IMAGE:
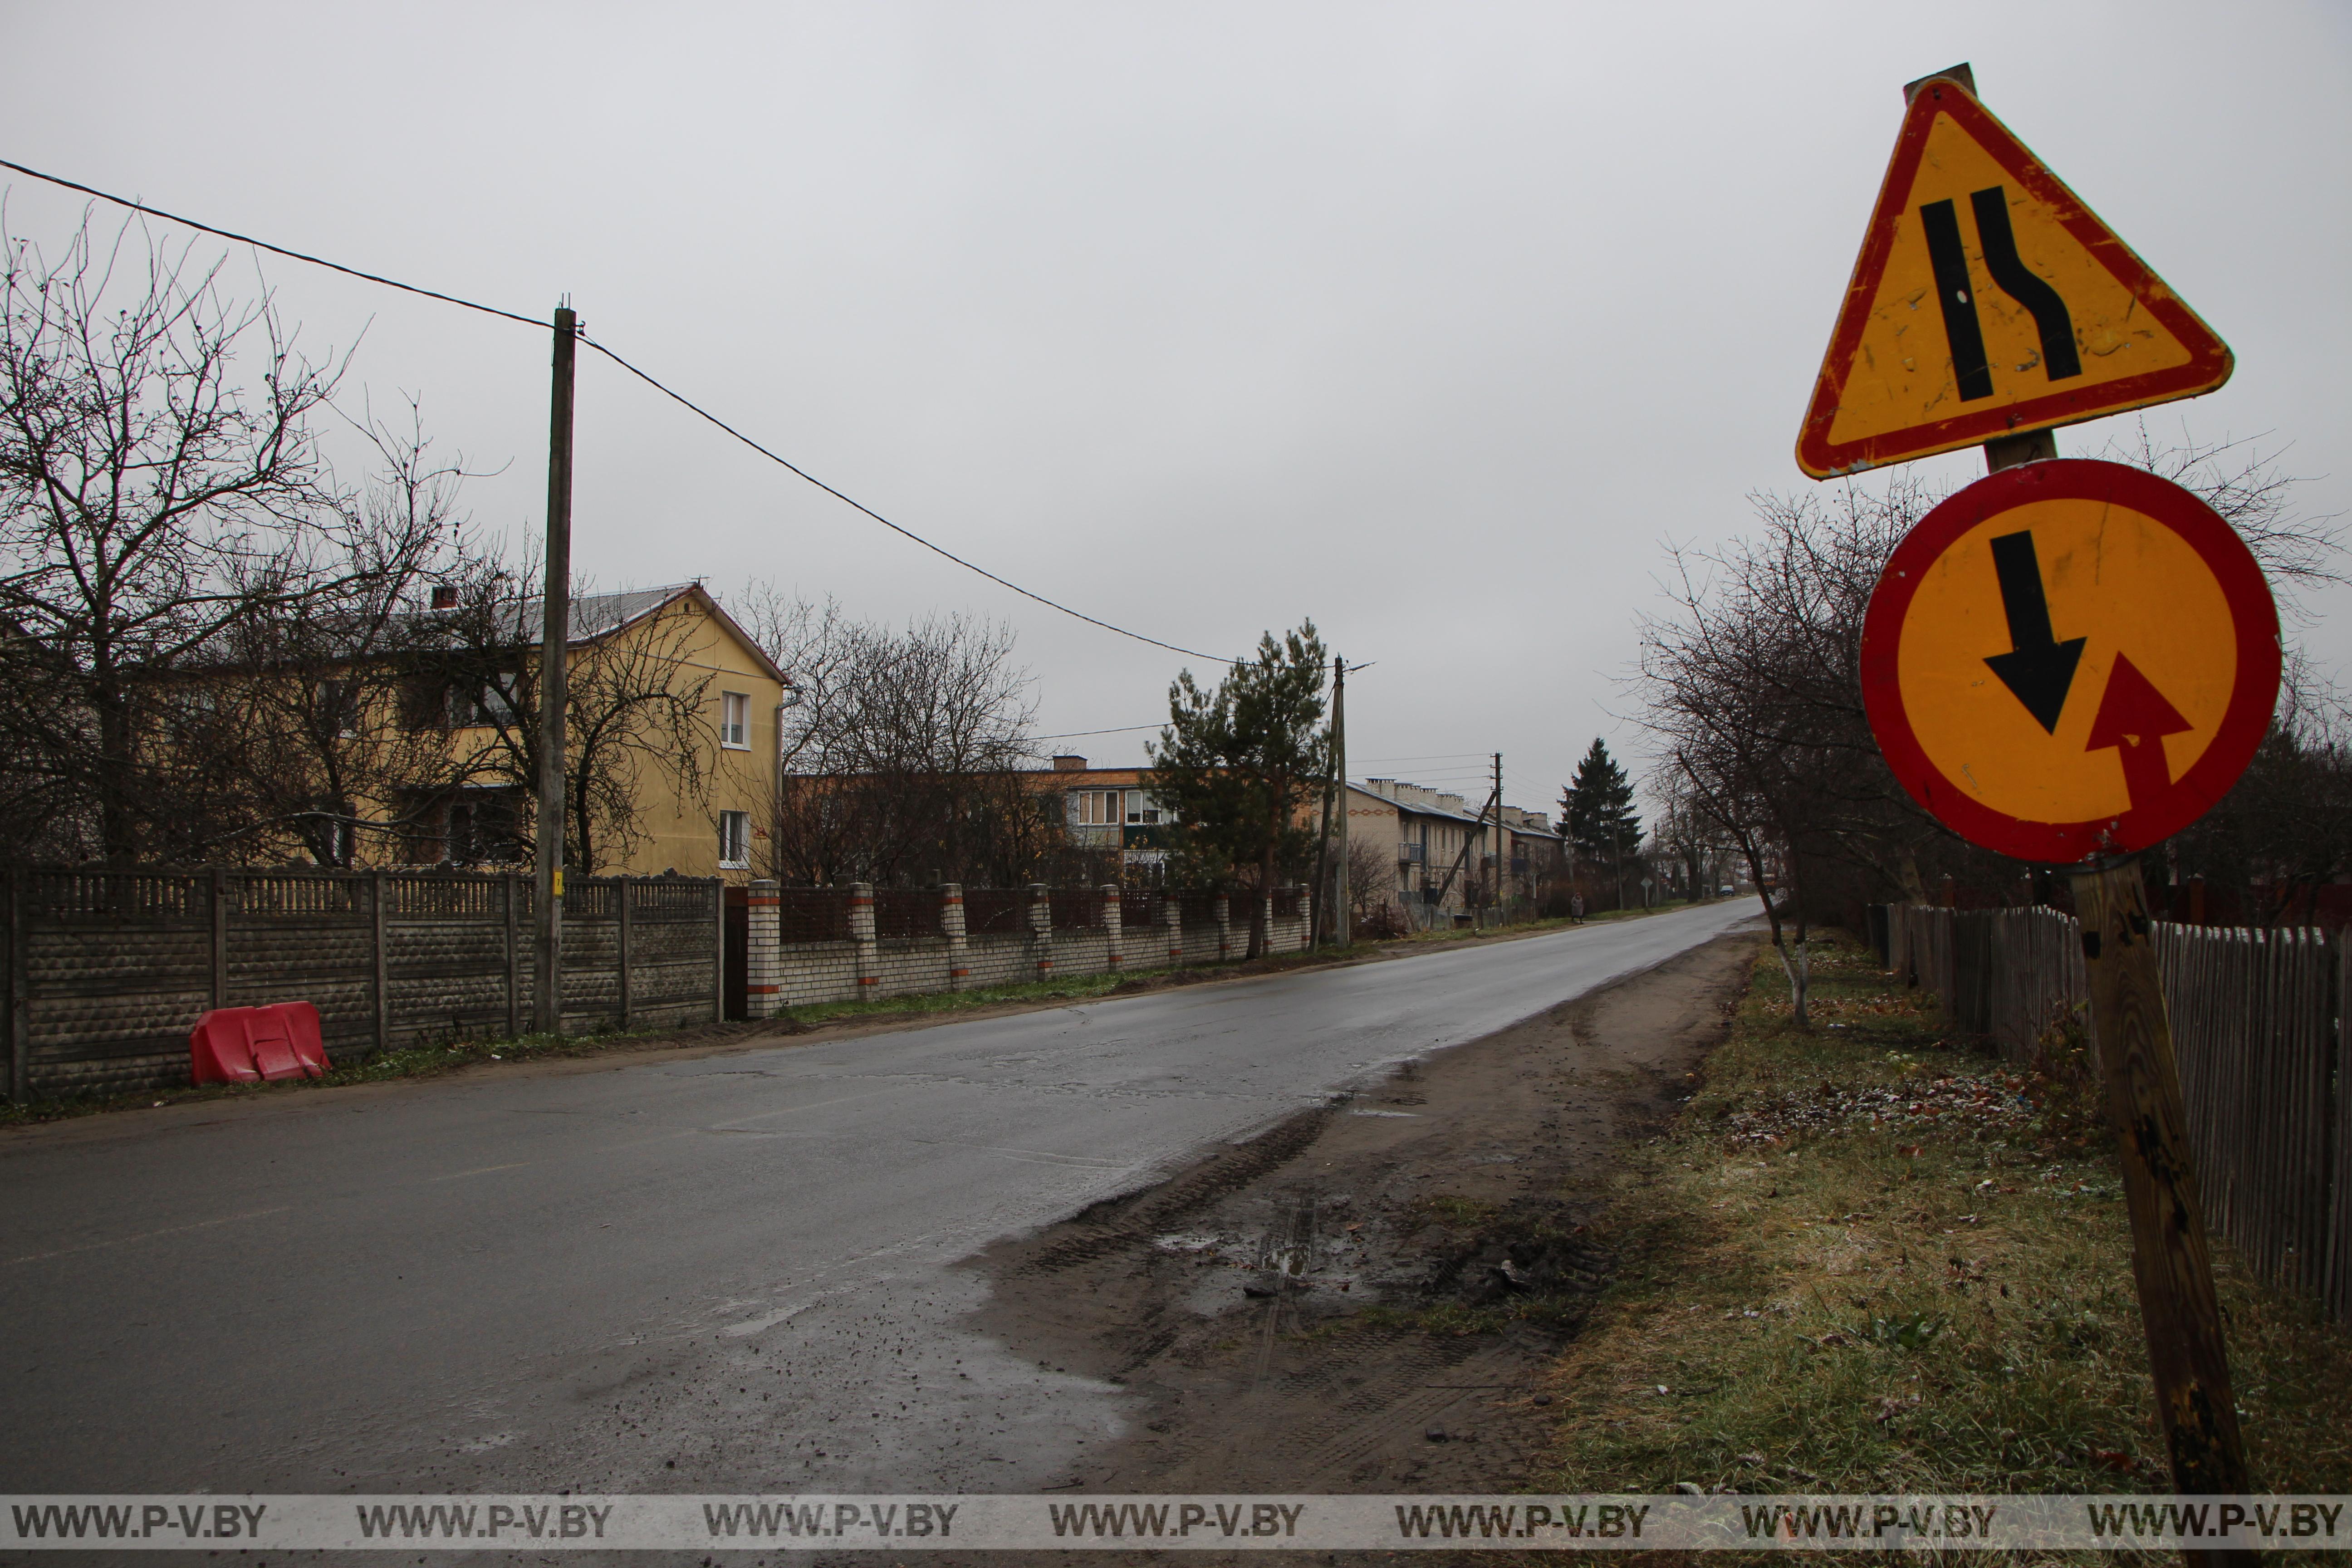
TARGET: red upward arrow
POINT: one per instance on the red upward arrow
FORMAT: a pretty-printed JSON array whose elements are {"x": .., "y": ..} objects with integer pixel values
[{"x": 2134, "y": 718}]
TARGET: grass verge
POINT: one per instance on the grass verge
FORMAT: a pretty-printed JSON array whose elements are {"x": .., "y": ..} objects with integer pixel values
[
  {"x": 1869, "y": 1258},
  {"x": 1527, "y": 928}
]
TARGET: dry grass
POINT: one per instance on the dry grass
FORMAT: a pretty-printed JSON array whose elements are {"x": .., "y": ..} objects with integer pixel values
[{"x": 1827, "y": 1289}]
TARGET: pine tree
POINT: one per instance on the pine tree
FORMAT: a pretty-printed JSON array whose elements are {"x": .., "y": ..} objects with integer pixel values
[
  {"x": 1236, "y": 765},
  {"x": 1599, "y": 808}
]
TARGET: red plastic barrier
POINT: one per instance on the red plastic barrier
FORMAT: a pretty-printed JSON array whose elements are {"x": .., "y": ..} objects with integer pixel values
[{"x": 247, "y": 1044}]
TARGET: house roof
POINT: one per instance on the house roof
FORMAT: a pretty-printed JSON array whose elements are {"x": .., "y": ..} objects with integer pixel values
[
  {"x": 594, "y": 616},
  {"x": 1466, "y": 816},
  {"x": 1092, "y": 778}
]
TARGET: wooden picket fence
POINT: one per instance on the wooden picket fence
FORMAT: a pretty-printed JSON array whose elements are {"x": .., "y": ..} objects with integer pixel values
[{"x": 2263, "y": 1031}]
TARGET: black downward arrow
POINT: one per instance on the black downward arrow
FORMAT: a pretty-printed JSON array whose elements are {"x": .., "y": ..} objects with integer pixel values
[{"x": 2038, "y": 669}]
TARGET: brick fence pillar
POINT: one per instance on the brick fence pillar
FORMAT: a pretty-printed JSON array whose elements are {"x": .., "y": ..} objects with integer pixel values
[
  {"x": 1040, "y": 901},
  {"x": 1225, "y": 927},
  {"x": 861, "y": 934},
  {"x": 763, "y": 968},
  {"x": 1171, "y": 917},
  {"x": 952, "y": 926},
  {"x": 1112, "y": 916}
]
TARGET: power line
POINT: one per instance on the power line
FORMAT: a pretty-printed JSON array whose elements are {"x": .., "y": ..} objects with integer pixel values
[
  {"x": 676, "y": 398},
  {"x": 273, "y": 249},
  {"x": 1081, "y": 734},
  {"x": 1429, "y": 757},
  {"x": 790, "y": 467}
]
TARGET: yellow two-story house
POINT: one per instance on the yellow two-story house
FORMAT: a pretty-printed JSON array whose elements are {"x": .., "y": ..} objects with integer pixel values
[{"x": 672, "y": 719}]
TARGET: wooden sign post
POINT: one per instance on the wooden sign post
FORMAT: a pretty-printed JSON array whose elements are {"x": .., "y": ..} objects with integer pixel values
[{"x": 2133, "y": 1042}]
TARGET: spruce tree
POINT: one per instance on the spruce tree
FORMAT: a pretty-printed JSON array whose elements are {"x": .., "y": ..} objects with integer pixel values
[{"x": 1599, "y": 807}]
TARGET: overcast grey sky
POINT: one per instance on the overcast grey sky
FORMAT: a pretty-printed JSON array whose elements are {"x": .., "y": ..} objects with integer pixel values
[{"x": 1428, "y": 322}]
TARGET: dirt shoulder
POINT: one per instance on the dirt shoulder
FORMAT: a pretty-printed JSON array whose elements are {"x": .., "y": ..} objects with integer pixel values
[
  {"x": 1363, "y": 1299},
  {"x": 1869, "y": 1258}
]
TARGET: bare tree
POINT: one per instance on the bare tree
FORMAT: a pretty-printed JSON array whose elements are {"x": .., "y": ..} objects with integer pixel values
[
  {"x": 637, "y": 708},
  {"x": 906, "y": 753},
  {"x": 323, "y": 752},
  {"x": 160, "y": 488},
  {"x": 1750, "y": 682},
  {"x": 2285, "y": 827}
]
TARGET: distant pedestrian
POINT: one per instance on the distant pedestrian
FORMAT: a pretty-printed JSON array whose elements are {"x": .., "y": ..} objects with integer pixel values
[{"x": 1576, "y": 908}]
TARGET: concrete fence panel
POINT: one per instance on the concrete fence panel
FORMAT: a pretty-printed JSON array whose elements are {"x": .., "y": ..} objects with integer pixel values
[{"x": 107, "y": 971}]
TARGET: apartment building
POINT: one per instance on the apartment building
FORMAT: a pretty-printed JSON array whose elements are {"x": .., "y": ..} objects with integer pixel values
[
  {"x": 1445, "y": 850},
  {"x": 1111, "y": 809}
]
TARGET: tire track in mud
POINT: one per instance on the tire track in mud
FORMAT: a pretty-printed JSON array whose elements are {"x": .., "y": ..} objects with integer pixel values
[
  {"x": 1358, "y": 1298},
  {"x": 1103, "y": 1229}
]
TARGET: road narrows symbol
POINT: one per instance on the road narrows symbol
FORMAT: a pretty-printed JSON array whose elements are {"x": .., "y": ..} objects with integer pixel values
[
  {"x": 2134, "y": 718},
  {"x": 2042, "y": 316},
  {"x": 2020, "y": 283},
  {"x": 2039, "y": 671}
]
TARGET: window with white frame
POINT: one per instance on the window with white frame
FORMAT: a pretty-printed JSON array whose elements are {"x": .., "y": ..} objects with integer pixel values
[
  {"x": 734, "y": 720},
  {"x": 1096, "y": 807},
  {"x": 734, "y": 839},
  {"x": 338, "y": 705}
]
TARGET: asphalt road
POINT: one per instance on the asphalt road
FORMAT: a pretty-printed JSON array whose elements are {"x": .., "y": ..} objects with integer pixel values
[{"x": 735, "y": 1272}]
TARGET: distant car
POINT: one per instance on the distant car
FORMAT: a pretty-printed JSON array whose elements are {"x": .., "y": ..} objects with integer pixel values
[{"x": 1724, "y": 891}]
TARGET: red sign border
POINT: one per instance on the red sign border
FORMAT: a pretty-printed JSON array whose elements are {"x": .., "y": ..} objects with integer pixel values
[
  {"x": 2244, "y": 723},
  {"x": 2210, "y": 363}
]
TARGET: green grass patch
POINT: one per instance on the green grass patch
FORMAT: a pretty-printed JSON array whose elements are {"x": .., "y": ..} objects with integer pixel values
[
  {"x": 1870, "y": 1259},
  {"x": 1075, "y": 988}
]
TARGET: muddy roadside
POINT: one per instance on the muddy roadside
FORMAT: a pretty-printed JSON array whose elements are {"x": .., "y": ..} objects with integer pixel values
[{"x": 1362, "y": 1298}]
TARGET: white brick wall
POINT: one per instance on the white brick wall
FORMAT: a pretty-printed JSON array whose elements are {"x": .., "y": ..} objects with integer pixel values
[{"x": 808, "y": 974}]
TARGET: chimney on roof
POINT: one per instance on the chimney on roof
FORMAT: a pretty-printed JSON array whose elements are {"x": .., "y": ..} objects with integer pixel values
[
  {"x": 445, "y": 596},
  {"x": 1069, "y": 764}
]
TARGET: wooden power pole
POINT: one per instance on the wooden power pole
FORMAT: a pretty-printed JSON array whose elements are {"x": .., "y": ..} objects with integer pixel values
[
  {"x": 1340, "y": 921},
  {"x": 1497, "y": 894},
  {"x": 555, "y": 638}
]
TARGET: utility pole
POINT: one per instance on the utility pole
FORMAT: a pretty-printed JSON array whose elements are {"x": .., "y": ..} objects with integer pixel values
[
  {"x": 1340, "y": 921},
  {"x": 555, "y": 636},
  {"x": 1500, "y": 861},
  {"x": 1461, "y": 865},
  {"x": 1318, "y": 925}
]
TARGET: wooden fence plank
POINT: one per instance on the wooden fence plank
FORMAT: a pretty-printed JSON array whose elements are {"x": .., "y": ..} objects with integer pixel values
[{"x": 2262, "y": 1022}]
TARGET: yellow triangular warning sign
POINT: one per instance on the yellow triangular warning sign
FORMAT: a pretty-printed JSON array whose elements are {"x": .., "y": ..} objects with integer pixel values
[{"x": 1988, "y": 301}]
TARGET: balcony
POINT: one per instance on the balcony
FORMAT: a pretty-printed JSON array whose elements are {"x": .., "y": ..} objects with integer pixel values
[{"x": 1411, "y": 854}]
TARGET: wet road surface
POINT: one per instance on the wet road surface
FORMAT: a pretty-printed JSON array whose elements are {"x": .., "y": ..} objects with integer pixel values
[{"x": 732, "y": 1273}]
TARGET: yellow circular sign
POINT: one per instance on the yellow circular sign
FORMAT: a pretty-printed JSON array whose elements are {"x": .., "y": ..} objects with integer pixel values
[
  {"x": 2104, "y": 569},
  {"x": 2070, "y": 658}
]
